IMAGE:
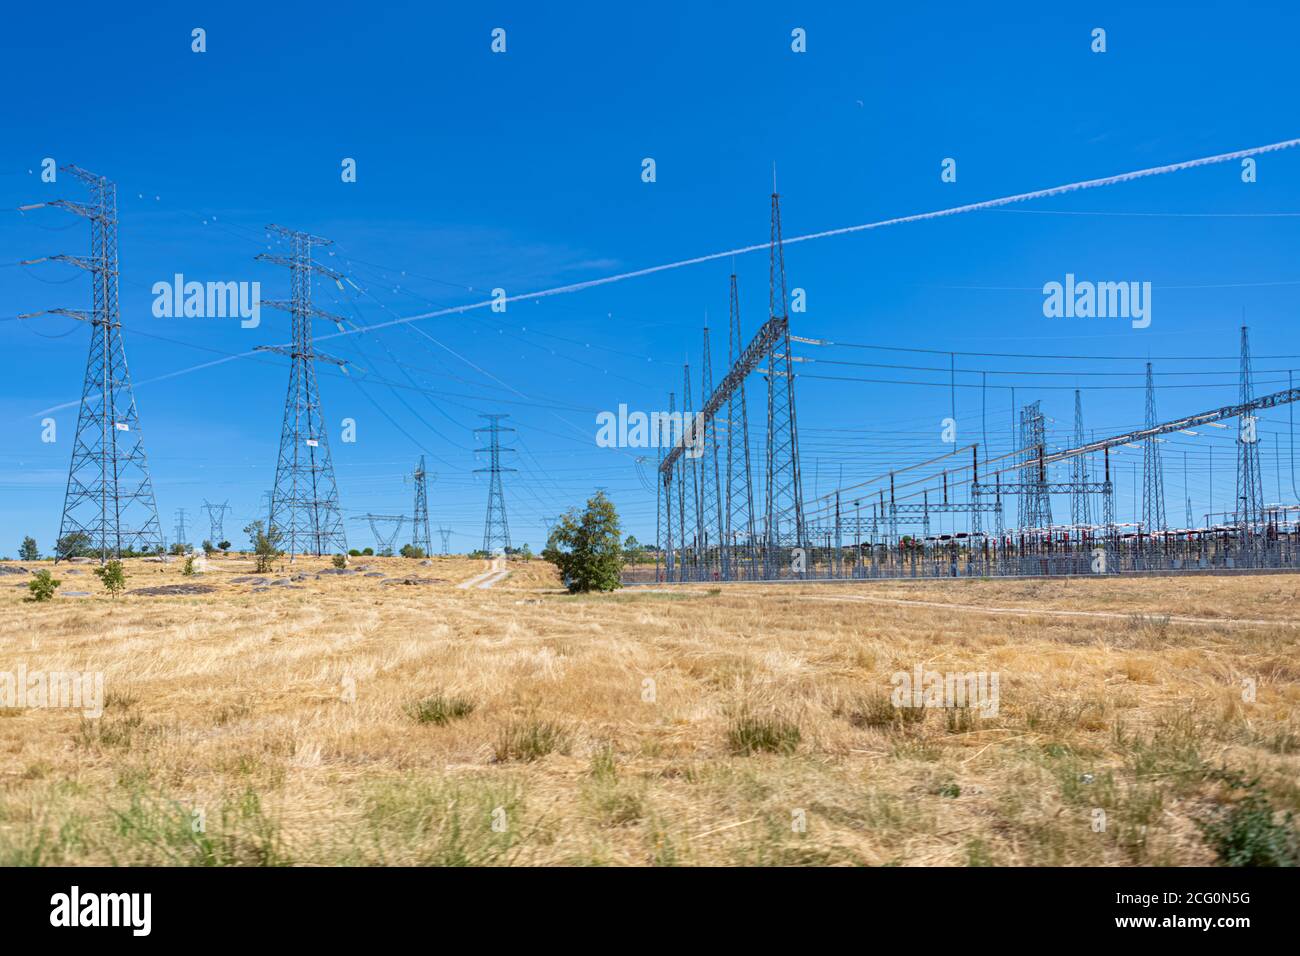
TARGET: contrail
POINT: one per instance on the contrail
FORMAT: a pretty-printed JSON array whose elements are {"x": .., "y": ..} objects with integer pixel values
[
  {"x": 845, "y": 230},
  {"x": 841, "y": 231}
]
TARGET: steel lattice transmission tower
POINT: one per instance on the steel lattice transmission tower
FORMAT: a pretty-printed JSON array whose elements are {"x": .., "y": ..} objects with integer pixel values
[
  {"x": 663, "y": 500},
  {"x": 1250, "y": 482},
  {"x": 688, "y": 490},
  {"x": 496, "y": 530},
  {"x": 109, "y": 497},
  {"x": 386, "y": 541},
  {"x": 305, "y": 502},
  {"x": 421, "y": 537},
  {"x": 445, "y": 534},
  {"x": 1035, "y": 501},
  {"x": 710, "y": 493},
  {"x": 1080, "y": 501},
  {"x": 181, "y": 534},
  {"x": 738, "y": 507},
  {"x": 216, "y": 519},
  {"x": 784, "y": 504},
  {"x": 1153, "y": 478}
]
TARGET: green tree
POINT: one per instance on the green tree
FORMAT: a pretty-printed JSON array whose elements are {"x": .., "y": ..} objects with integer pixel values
[
  {"x": 28, "y": 551},
  {"x": 42, "y": 586},
  {"x": 411, "y": 551},
  {"x": 341, "y": 561},
  {"x": 188, "y": 569},
  {"x": 208, "y": 547},
  {"x": 112, "y": 577},
  {"x": 73, "y": 545},
  {"x": 224, "y": 546},
  {"x": 631, "y": 549},
  {"x": 586, "y": 547},
  {"x": 264, "y": 543}
]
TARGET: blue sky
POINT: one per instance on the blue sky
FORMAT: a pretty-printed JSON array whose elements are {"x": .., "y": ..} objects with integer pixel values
[{"x": 522, "y": 170}]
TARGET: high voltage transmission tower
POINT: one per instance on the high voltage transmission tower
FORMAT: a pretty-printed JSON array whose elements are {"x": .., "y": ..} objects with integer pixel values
[
  {"x": 496, "y": 530},
  {"x": 385, "y": 541},
  {"x": 1153, "y": 479},
  {"x": 181, "y": 536},
  {"x": 710, "y": 498},
  {"x": 738, "y": 507},
  {"x": 784, "y": 500},
  {"x": 305, "y": 503},
  {"x": 109, "y": 498},
  {"x": 445, "y": 534},
  {"x": 1080, "y": 501},
  {"x": 1035, "y": 501},
  {"x": 216, "y": 519},
  {"x": 689, "y": 490},
  {"x": 420, "y": 516},
  {"x": 1250, "y": 483}
]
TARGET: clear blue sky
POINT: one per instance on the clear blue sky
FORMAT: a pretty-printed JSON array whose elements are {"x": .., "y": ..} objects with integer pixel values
[{"x": 522, "y": 171}]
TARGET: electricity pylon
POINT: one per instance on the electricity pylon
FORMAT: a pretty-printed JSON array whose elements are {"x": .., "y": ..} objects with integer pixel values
[
  {"x": 181, "y": 537},
  {"x": 216, "y": 519},
  {"x": 305, "y": 504},
  {"x": 1153, "y": 479},
  {"x": 386, "y": 541},
  {"x": 1250, "y": 482},
  {"x": 445, "y": 534},
  {"x": 739, "y": 504},
  {"x": 109, "y": 498},
  {"x": 689, "y": 488},
  {"x": 1035, "y": 501},
  {"x": 784, "y": 505},
  {"x": 421, "y": 537},
  {"x": 711, "y": 522},
  {"x": 496, "y": 529},
  {"x": 1080, "y": 501}
]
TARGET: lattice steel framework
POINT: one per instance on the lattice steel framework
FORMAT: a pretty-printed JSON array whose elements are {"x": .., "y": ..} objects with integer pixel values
[
  {"x": 784, "y": 499},
  {"x": 1035, "y": 504},
  {"x": 421, "y": 536},
  {"x": 738, "y": 508},
  {"x": 496, "y": 529},
  {"x": 711, "y": 521},
  {"x": 305, "y": 511},
  {"x": 109, "y": 497},
  {"x": 386, "y": 542},
  {"x": 1153, "y": 477},
  {"x": 1080, "y": 500},
  {"x": 1250, "y": 482},
  {"x": 216, "y": 519}
]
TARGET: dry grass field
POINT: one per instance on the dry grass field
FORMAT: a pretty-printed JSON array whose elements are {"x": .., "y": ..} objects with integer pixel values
[{"x": 349, "y": 719}]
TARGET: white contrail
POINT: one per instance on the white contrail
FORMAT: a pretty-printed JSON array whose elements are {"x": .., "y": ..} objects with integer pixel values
[
  {"x": 844, "y": 230},
  {"x": 841, "y": 231}
]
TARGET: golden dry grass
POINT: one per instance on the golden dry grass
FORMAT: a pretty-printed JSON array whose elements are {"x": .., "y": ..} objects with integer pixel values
[{"x": 350, "y": 721}]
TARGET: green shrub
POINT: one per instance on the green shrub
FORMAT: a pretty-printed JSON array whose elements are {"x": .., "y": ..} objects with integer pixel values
[
  {"x": 771, "y": 733},
  {"x": 112, "y": 577},
  {"x": 441, "y": 709},
  {"x": 1248, "y": 831},
  {"x": 530, "y": 740},
  {"x": 42, "y": 586}
]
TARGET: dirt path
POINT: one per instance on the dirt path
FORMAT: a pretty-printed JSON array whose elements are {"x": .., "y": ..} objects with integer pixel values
[
  {"x": 494, "y": 572},
  {"x": 1035, "y": 612}
]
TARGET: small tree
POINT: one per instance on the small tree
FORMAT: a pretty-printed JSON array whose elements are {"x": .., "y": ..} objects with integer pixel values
[
  {"x": 411, "y": 551},
  {"x": 208, "y": 548},
  {"x": 179, "y": 548},
  {"x": 188, "y": 568},
  {"x": 340, "y": 561},
  {"x": 631, "y": 549},
  {"x": 72, "y": 545},
  {"x": 526, "y": 553},
  {"x": 224, "y": 546},
  {"x": 587, "y": 547},
  {"x": 264, "y": 545},
  {"x": 112, "y": 577},
  {"x": 27, "y": 551},
  {"x": 42, "y": 586}
]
